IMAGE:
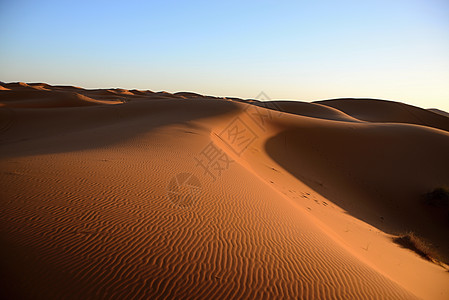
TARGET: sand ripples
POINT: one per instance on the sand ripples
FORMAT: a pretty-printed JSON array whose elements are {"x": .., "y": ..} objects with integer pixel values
[
  {"x": 135, "y": 244},
  {"x": 97, "y": 224}
]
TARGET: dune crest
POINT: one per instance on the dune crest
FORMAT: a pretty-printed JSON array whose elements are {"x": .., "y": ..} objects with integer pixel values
[{"x": 374, "y": 110}]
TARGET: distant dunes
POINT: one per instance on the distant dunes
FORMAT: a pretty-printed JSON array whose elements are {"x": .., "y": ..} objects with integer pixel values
[{"x": 388, "y": 111}]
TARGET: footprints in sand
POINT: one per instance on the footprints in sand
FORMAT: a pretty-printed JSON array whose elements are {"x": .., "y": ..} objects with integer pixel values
[
  {"x": 296, "y": 195},
  {"x": 293, "y": 194},
  {"x": 273, "y": 168}
]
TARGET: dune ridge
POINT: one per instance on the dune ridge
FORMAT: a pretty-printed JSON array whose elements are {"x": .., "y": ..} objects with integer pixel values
[
  {"x": 374, "y": 110},
  {"x": 87, "y": 211}
]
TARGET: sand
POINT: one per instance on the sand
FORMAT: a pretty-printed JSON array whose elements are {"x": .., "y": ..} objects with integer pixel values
[{"x": 149, "y": 195}]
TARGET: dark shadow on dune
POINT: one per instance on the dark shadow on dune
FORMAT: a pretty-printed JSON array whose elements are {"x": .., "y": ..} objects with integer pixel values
[
  {"x": 307, "y": 109},
  {"x": 56, "y": 130},
  {"x": 375, "y": 174}
]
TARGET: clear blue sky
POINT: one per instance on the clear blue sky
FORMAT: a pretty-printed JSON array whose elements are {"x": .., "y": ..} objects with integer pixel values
[{"x": 304, "y": 50}]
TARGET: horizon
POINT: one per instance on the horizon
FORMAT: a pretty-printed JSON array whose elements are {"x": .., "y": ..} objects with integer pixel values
[
  {"x": 262, "y": 96},
  {"x": 378, "y": 50}
]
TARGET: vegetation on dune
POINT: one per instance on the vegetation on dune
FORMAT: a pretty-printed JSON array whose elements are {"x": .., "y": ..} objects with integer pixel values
[{"x": 413, "y": 242}]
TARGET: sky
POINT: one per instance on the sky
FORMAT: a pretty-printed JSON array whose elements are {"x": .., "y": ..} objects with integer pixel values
[{"x": 302, "y": 50}]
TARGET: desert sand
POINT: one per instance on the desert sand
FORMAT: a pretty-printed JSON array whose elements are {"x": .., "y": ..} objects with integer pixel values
[{"x": 133, "y": 194}]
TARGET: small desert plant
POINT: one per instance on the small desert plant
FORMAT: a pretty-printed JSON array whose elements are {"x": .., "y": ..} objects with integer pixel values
[{"x": 413, "y": 242}]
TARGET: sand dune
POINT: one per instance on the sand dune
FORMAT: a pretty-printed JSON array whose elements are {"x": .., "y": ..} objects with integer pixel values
[
  {"x": 2, "y": 88},
  {"x": 373, "y": 110},
  {"x": 308, "y": 110},
  {"x": 141, "y": 93},
  {"x": 439, "y": 111},
  {"x": 380, "y": 164},
  {"x": 48, "y": 99},
  {"x": 151, "y": 195}
]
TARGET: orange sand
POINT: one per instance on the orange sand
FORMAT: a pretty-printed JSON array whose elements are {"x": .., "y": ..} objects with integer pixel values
[{"x": 104, "y": 195}]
